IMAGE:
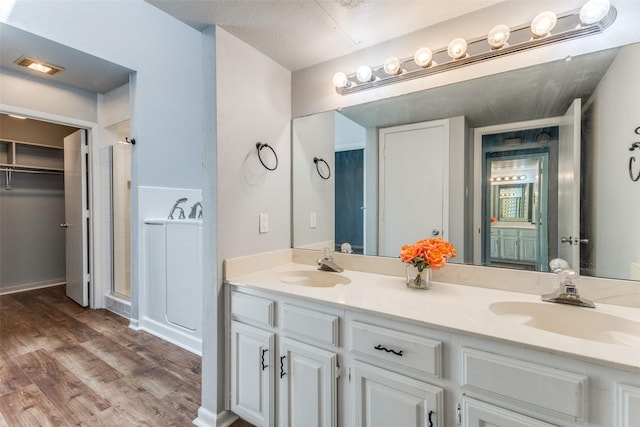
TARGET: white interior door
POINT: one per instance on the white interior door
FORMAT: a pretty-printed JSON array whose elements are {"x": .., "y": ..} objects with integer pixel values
[
  {"x": 569, "y": 186},
  {"x": 76, "y": 216},
  {"x": 414, "y": 184}
]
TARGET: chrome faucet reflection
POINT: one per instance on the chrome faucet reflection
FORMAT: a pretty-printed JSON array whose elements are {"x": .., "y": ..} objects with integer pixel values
[
  {"x": 176, "y": 207},
  {"x": 326, "y": 263},
  {"x": 567, "y": 292},
  {"x": 194, "y": 210}
]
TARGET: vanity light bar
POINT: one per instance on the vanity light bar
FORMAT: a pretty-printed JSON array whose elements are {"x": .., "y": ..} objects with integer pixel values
[{"x": 569, "y": 26}]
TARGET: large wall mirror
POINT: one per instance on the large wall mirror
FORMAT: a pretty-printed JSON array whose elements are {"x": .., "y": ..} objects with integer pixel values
[{"x": 534, "y": 165}]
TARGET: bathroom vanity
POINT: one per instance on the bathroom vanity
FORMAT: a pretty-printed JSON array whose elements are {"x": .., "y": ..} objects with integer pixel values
[{"x": 309, "y": 347}]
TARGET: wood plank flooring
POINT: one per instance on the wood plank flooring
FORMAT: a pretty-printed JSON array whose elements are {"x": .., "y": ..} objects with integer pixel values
[{"x": 62, "y": 365}]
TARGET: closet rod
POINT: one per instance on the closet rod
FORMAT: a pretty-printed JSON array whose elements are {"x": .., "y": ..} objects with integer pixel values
[{"x": 31, "y": 171}]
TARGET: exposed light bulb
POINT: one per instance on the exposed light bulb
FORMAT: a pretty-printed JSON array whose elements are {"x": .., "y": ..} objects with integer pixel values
[
  {"x": 364, "y": 74},
  {"x": 457, "y": 48},
  {"x": 39, "y": 67},
  {"x": 593, "y": 11},
  {"x": 340, "y": 80},
  {"x": 498, "y": 36},
  {"x": 543, "y": 23},
  {"x": 423, "y": 57},
  {"x": 392, "y": 66}
]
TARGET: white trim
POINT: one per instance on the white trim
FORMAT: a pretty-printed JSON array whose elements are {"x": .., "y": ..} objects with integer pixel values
[
  {"x": 206, "y": 418},
  {"x": 23, "y": 287},
  {"x": 171, "y": 334}
]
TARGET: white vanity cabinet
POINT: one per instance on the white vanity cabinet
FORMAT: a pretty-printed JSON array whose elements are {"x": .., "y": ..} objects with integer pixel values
[
  {"x": 297, "y": 362},
  {"x": 389, "y": 370},
  {"x": 513, "y": 244},
  {"x": 283, "y": 362}
]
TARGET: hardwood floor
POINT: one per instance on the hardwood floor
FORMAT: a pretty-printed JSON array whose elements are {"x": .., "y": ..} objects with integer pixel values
[{"x": 62, "y": 365}]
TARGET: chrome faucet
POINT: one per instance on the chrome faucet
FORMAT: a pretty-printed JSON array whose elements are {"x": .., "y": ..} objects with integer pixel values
[
  {"x": 176, "y": 207},
  {"x": 567, "y": 292},
  {"x": 326, "y": 263},
  {"x": 194, "y": 209}
]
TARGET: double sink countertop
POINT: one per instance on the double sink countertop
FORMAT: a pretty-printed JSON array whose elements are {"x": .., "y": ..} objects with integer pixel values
[{"x": 610, "y": 333}]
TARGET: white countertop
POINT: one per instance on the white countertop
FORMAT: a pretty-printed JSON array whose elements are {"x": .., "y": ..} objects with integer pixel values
[{"x": 455, "y": 308}]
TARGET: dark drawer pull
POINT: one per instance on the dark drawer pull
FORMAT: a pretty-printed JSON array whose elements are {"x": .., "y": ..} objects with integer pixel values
[
  {"x": 262, "y": 359},
  {"x": 388, "y": 350}
]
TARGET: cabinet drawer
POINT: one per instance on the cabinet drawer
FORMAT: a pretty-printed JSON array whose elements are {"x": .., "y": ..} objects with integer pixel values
[
  {"x": 404, "y": 350},
  {"x": 525, "y": 386},
  {"x": 252, "y": 309},
  {"x": 311, "y": 324}
]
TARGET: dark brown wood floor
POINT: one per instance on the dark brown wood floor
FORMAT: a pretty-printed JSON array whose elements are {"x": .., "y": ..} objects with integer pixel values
[{"x": 62, "y": 365}]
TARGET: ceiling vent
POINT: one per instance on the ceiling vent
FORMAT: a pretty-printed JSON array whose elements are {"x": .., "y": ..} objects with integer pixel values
[{"x": 40, "y": 66}]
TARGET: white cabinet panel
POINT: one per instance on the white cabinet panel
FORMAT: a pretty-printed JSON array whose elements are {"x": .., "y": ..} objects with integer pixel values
[
  {"x": 419, "y": 354},
  {"x": 252, "y": 374},
  {"x": 530, "y": 387},
  {"x": 308, "y": 389},
  {"x": 480, "y": 414},
  {"x": 383, "y": 398},
  {"x": 627, "y": 406}
]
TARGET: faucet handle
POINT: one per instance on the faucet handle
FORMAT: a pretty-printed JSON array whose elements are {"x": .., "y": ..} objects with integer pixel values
[{"x": 326, "y": 254}]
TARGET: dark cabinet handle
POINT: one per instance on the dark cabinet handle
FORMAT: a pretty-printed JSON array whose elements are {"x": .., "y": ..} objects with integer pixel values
[
  {"x": 282, "y": 372},
  {"x": 430, "y": 420},
  {"x": 262, "y": 359},
  {"x": 388, "y": 350}
]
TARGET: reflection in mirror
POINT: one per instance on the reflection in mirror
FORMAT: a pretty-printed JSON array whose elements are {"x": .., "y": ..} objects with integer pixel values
[{"x": 587, "y": 198}]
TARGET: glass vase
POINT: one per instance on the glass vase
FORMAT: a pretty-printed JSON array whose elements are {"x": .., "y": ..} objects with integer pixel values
[{"x": 418, "y": 279}]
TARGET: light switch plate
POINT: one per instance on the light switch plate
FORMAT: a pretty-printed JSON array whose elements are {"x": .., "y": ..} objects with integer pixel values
[{"x": 264, "y": 223}]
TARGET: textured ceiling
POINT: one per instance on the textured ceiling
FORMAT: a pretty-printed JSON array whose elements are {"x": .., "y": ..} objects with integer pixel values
[{"x": 301, "y": 33}]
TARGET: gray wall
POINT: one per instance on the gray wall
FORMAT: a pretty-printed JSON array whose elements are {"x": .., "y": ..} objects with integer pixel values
[{"x": 31, "y": 240}]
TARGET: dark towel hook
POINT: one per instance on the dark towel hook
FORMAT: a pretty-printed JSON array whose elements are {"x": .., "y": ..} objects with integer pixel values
[
  {"x": 259, "y": 147},
  {"x": 317, "y": 160}
]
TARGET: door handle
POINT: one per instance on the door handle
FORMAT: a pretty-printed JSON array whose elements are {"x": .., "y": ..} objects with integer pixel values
[
  {"x": 64, "y": 225},
  {"x": 435, "y": 232},
  {"x": 573, "y": 240}
]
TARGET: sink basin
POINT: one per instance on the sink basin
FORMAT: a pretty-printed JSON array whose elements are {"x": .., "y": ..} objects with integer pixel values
[
  {"x": 314, "y": 278},
  {"x": 578, "y": 322}
]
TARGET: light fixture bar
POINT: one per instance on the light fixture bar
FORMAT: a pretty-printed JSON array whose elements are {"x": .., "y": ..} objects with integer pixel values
[{"x": 570, "y": 21}]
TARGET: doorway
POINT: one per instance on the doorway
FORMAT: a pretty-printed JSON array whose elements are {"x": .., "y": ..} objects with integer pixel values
[
  {"x": 517, "y": 206},
  {"x": 99, "y": 256}
]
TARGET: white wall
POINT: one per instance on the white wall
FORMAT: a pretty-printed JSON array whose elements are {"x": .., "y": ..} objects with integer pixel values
[
  {"x": 313, "y": 91},
  {"x": 253, "y": 103},
  {"x": 167, "y": 86},
  {"x": 615, "y": 115},
  {"x": 313, "y": 136}
]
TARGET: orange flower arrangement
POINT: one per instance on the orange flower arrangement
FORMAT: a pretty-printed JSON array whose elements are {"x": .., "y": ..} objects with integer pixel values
[{"x": 429, "y": 253}]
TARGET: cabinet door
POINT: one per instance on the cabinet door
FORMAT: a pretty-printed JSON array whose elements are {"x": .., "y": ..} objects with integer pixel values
[
  {"x": 509, "y": 245},
  {"x": 528, "y": 248},
  {"x": 627, "y": 406},
  {"x": 480, "y": 414},
  {"x": 383, "y": 398},
  {"x": 495, "y": 244},
  {"x": 252, "y": 374},
  {"x": 308, "y": 385}
]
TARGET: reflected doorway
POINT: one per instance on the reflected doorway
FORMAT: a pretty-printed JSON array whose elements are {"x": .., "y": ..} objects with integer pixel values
[
  {"x": 520, "y": 198},
  {"x": 517, "y": 193}
]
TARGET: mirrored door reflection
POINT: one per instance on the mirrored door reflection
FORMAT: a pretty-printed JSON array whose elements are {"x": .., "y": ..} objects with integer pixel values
[{"x": 517, "y": 202}]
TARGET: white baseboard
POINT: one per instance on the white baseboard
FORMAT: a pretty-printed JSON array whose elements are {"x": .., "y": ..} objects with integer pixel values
[
  {"x": 31, "y": 286},
  {"x": 206, "y": 418},
  {"x": 134, "y": 324}
]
